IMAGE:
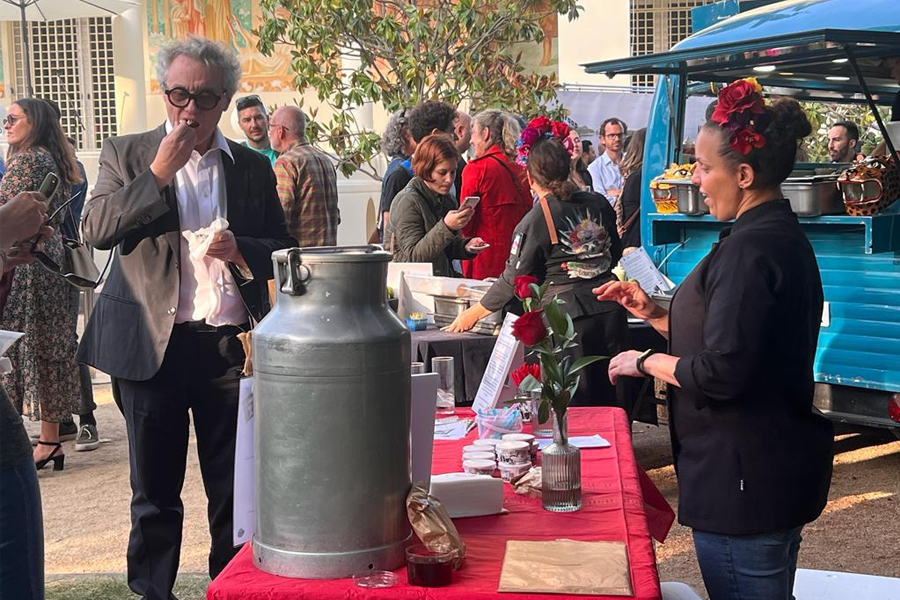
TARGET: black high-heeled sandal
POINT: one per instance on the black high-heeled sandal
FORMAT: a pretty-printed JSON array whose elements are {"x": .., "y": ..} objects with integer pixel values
[{"x": 58, "y": 460}]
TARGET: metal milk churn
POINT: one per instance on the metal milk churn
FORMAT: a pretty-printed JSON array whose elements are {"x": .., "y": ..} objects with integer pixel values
[{"x": 331, "y": 412}]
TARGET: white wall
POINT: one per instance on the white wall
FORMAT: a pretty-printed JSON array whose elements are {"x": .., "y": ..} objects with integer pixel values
[{"x": 600, "y": 33}]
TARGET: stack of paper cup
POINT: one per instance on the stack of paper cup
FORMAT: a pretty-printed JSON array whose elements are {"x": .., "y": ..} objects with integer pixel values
[
  {"x": 513, "y": 458},
  {"x": 523, "y": 437}
]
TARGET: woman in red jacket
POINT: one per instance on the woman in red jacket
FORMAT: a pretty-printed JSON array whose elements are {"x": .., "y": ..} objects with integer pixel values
[{"x": 501, "y": 184}]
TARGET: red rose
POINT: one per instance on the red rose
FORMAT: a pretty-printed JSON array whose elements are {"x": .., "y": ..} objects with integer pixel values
[
  {"x": 744, "y": 140},
  {"x": 559, "y": 129},
  {"x": 529, "y": 328},
  {"x": 519, "y": 375},
  {"x": 736, "y": 98},
  {"x": 522, "y": 282},
  {"x": 542, "y": 124}
]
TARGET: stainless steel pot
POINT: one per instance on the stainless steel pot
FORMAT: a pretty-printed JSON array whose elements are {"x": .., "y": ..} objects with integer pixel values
[
  {"x": 331, "y": 403},
  {"x": 814, "y": 196},
  {"x": 690, "y": 201}
]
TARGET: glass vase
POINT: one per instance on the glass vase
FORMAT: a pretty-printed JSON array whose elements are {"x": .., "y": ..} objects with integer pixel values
[
  {"x": 538, "y": 429},
  {"x": 561, "y": 470}
]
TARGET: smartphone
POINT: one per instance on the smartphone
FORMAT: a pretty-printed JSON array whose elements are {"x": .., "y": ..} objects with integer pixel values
[
  {"x": 481, "y": 246},
  {"x": 471, "y": 201},
  {"x": 49, "y": 185}
]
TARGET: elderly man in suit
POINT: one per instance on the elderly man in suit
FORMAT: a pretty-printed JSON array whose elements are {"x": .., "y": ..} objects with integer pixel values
[{"x": 165, "y": 325}]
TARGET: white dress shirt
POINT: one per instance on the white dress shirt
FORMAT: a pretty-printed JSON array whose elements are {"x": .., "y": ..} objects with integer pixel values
[
  {"x": 208, "y": 290},
  {"x": 605, "y": 175}
]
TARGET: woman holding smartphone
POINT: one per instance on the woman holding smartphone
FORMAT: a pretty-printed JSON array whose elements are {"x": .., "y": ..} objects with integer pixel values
[
  {"x": 426, "y": 223},
  {"x": 44, "y": 382}
]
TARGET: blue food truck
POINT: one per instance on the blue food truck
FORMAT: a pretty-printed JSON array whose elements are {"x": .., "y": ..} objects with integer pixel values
[{"x": 814, "y": 50}]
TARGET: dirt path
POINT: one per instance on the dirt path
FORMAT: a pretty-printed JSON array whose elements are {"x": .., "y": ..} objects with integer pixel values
[{"x": 86, "y": 507}]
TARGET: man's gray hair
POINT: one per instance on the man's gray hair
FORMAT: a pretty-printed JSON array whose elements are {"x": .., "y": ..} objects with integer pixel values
[
  {"x": 394, "y": 138},
  {"x": 214, "y": 55}
]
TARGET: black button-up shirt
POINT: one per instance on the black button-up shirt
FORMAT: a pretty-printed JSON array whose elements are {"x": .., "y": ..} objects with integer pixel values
[{"x": 750, "y": 454}]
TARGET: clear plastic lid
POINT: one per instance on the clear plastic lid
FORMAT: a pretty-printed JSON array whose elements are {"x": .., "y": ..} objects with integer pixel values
[{"x": 376, "y": 579}]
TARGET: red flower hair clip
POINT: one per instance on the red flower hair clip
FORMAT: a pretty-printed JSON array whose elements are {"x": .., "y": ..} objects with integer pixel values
[{"x": 740, "y": 103}]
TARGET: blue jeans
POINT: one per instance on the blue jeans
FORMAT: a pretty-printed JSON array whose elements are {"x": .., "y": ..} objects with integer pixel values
[
  {"x": 21, "y": 532},
  {"x": 748, "y": 567}
]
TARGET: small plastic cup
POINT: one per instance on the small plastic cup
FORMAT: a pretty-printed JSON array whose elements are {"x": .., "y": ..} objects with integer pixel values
[
  {"x": 479, "y": 456},
  {"x": 510, "y": 472},
  {"x": 416, "y": 368},
  {"x": 513, "y": 453},
  {"x": 428, "y": 568},
  {"x": 479, "y": 467}
]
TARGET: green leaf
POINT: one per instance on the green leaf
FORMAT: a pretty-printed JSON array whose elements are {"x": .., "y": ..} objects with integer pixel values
[
  {"x": 555, "y": 317},
  {"x": 543, "y": 412}
]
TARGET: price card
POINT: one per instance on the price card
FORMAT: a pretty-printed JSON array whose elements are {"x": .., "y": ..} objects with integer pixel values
[{"x": 508, "y": 354}]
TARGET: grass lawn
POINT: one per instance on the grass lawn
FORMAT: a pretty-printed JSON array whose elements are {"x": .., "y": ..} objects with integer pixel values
[{"x": 114, "y": 587}]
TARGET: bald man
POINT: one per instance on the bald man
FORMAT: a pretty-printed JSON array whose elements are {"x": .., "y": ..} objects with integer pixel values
[{"x": 307, "y": 181}]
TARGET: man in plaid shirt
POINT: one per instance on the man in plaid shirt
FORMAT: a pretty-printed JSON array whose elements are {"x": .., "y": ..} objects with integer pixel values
[{"x": 306, "y": 181}]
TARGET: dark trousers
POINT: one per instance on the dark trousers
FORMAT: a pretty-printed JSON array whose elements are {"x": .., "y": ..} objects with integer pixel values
[
  {"x": 201, "y": 374},
  {"x": 604, "y": 334},
  {"x": 21, "y": 531}
]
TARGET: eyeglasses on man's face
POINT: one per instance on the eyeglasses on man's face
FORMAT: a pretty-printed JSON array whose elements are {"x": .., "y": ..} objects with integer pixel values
[
  {"x": 180, "y": 97},
  {"x": 614, "y": 135}
]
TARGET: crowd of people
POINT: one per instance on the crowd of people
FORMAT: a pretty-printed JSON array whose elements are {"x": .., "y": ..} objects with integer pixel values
[{"x": 166, "y": 326}]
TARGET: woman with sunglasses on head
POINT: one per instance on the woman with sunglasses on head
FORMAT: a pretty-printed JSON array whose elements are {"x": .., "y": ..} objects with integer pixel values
[
  {"x": 44, "y": 382},
  {"x": 753, "y": 459}
]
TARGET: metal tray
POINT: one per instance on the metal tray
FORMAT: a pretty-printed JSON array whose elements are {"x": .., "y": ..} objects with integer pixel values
[
  {"x": 480, "y": 327},
  {"x": 813, "y": 196},
  {"x": 451, "y": 307}
]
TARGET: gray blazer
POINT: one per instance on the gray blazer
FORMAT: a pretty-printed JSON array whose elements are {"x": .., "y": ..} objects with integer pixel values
[{"x": 129, "y": 330}]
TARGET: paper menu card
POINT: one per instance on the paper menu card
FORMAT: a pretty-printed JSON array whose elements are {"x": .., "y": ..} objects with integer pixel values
[
  {"x": 244, "y": 517},
  {"x": 508, "y": 354},
  {"x": 640, "y": 267}
]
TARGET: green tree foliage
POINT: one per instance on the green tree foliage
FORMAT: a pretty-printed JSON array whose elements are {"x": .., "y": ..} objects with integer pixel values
[
  {"x": 399, "y": 52},
  {"x": 822, "y": 115}
]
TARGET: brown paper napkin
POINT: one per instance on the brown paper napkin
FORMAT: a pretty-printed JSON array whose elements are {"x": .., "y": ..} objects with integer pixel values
[{"x": 566, "y": 567}]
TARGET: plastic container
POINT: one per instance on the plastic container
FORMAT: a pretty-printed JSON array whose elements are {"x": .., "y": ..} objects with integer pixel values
[
  {"x": 523, "y": 437},
  {"x": 428, "y": 568},
  {"x": 510, "y": 472},
  {"x": 479, "y": 467},
  {"x": 479, "y": 456},
  {"x": 485, "y": 443},
  {"x": 498, "y": 422},
  {"x": 476, "y": 447},
  {"x": 513, "y": 453}
]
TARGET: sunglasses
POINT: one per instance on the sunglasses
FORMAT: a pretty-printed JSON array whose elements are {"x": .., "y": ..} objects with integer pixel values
[
  {"x": 248, "y": 101},
  {"x": 11, "y": 120},
  {"x": 76, "y": 280},
  {"x": 180, "y": 97}
]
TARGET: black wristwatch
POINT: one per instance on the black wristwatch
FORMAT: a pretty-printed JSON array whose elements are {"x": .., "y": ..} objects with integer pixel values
[{"x": 639, "y": 363}]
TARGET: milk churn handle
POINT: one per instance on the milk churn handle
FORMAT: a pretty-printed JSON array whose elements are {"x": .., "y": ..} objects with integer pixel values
[{"x": 296, "y": 274}]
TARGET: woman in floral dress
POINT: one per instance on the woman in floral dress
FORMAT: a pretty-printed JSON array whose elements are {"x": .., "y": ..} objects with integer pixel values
[{"x": 44, "y": 383}]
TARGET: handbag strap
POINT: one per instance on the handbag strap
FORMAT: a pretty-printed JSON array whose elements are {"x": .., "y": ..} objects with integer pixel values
[
  {"x": 548, "y": 218},
  {"x": 631, "y": 219}
]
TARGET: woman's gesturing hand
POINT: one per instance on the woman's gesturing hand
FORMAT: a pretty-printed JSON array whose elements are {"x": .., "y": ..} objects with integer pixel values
[
  {"x": 457, "y": 219},
  {"x": 630, "y": 295}
]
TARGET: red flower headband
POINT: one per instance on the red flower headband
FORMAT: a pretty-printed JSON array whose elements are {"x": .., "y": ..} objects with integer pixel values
[
  {"x": 740, "y": 103},
  {"x": 540, "y": 128}
]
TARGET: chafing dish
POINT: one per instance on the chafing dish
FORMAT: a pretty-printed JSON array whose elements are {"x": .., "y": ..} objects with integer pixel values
[
  {"x": 447, "y": 308},
  {"x": 689, "y": 199},
  {"x": 814, "y": 196}
]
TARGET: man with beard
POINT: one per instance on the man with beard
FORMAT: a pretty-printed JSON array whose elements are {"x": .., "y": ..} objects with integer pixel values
[{"x": 254, "y": 122}]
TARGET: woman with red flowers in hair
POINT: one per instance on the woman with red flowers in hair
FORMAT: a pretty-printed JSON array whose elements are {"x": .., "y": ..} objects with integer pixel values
[
  {"x": 753, "y": 459},
  {"x": 500, "y": 183},
  {"x": 569, "y": 239}
]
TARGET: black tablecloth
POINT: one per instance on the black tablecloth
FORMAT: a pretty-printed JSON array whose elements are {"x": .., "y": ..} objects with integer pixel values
[{"x": 470, "y": 351}]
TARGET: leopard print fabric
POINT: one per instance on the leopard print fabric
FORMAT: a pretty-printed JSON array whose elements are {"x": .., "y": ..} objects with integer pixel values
[{"x": 870, "y": 185}]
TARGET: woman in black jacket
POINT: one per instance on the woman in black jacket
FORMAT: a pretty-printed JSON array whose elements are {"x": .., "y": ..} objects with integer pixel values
[
  {"x": 575, "y": 254},
  {"x": 753, "y": 460}
]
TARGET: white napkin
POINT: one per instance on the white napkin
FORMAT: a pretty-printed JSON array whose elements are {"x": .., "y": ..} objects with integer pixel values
[
  {"x": 200, "y": 240},
  {"x": 583, "y": 441},
  {"x": 7, "y": 339}
]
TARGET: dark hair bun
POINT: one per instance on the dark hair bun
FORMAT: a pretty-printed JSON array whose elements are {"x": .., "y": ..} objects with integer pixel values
[{"x": 788, "y": 122}]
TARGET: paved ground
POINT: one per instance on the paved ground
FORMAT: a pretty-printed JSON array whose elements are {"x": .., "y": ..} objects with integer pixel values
[{"x": 86, "y": 507}]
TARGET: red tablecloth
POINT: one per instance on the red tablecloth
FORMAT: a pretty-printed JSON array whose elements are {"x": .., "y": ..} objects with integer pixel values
[{"x": 614, "y": 510}]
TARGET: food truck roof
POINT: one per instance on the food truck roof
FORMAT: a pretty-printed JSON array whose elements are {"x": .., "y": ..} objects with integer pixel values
[{"x": 796, "y": 44}]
